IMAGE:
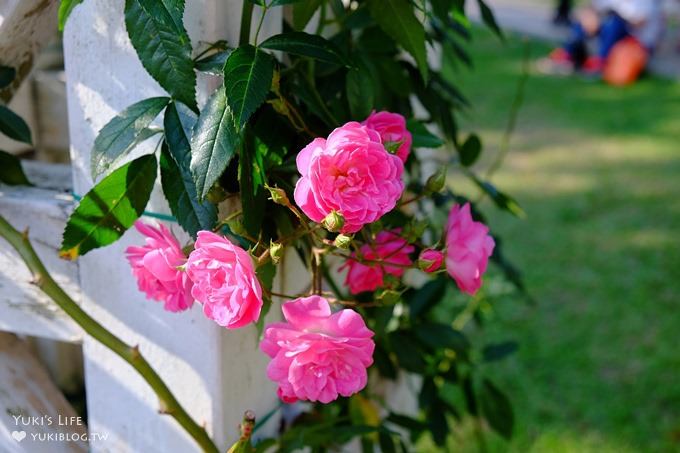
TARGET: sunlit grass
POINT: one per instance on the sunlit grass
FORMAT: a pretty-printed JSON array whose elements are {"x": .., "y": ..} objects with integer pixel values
[{"x": 597, "y": 169}]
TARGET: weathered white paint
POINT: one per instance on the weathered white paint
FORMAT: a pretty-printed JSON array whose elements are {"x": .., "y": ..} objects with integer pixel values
[
  {"x": 24, "y": 308},
  {"x": 26, "y": 391},
  {"x": 25, "y": 27},
  {"x": 216, "y": 374}
]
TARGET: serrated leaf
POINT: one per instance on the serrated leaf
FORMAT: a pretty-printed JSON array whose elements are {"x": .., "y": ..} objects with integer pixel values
[
  {"x": 7, "y": 75},
  {"x": 422, "y": 137},
  {"x": 156, "y": 31},
  {"x": 306, "y": 45},
  {"x": 396, "y": 18},
  {"x": 497, "y": 409},
  {"x": 125, "y": 131},
  {"x": 214, "y": 142},
  {"x": 303, "y": 12},
  {"x": 214, "y": 64},
  {"x": 470, "y": 150},
  {"x": 247, "y": 78},
  {"x": 65, "y": 8},
  {"x": 13, "y": 126},
  {"x": 11, "y": 172},
  {"x": 109, "y": 208},
  {"x": 360, "y": 92},
  {"x": 176, "y": 179}
]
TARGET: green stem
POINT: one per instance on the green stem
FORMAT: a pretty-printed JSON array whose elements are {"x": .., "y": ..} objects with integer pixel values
[
  {"x": 246, "y": 19},
  {"x": 514, "y": 113},
  {"x": 43, "y": 280},
  {"x": 259, "y": 25}
]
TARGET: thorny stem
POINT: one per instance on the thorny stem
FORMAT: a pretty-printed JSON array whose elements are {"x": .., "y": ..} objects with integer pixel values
[{"x": 131, "y": 354}]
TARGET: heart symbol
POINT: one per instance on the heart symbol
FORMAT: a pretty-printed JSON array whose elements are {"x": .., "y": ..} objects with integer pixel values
[{"x": 18, "y": 435}]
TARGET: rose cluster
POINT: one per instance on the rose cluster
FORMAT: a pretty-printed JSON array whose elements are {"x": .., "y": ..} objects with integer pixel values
[{"x": 353, "y": 177}]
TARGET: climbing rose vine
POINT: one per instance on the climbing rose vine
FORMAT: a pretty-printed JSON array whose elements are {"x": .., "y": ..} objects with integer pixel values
[{"x": 336, "y": 144}]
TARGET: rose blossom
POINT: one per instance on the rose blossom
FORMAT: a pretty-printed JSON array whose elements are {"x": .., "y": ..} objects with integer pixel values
[
  {"x": 155, "y": 266},
  {"x": 430, "y": 260},
  {"x": 224, "y": 281},
  {"x": 392, "y": 129},
  {"x": 468, "y": 248},
  {"x": 389, "y": 247},
  {"x": 350, "y": 173},
  {"x": 316, "y": 355}
]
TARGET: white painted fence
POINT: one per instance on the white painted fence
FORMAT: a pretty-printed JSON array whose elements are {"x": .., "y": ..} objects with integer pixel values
[{"x": 216, "y": 374}]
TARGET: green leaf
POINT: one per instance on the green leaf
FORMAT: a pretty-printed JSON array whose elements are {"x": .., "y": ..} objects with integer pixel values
[
  {"x": 284, "y": 2},
  {"x": 396, "y": 18},
  {"x": 213, "y": 143},
  {"x": 65, "y": 8},
  {"x": 303, "y": 12},
  {"x": 247, "y": 77},
  {"x": 360, "y": 92},
  {"x": 156, "y": 31},
  {"x": 11, "y": 172},
  {"x": 422, "y": 137},
  {"x": 423, "y": 299},
  {"x": 7, "y": 75},
  {"x": 13, "y": 126},
  {"x": 125, "y": 131},
  {"x": 109, "y": 208},
  {"x": 489, "y": 18},
  {"x": 498, "y": 351},
  {"x": 470, "y": 150},
  {"x": 502, "y": 200},
  {"x": 409, "y": 354},
  {"x": 214, "y": 64},
  {"x": 178, "y": 184},
  {"x": 251, "y": 178},
  {"x": 497, "y": 409},
  {"x": 306, "y": 45},
  {"x": 437, "y": 336}
]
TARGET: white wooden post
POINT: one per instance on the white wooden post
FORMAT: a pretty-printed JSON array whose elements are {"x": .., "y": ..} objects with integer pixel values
[{"x": 216, "y": 374}]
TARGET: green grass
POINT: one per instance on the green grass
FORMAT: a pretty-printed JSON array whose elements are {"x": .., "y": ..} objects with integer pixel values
[{"x": 597, "y": 169}]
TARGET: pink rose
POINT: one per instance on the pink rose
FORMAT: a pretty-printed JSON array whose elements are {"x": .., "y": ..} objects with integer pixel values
[
  {"x": 155, "y": 266},
  {"x": 350, "y": 173},
  {"x": 468, "y": 248},
  {"x": 390, "y": 248},
  {"x": 430, "y": 260},
  {"x": 316, "y": 355},
  {"x": 224, "y": 281},
  {"x": 392, "y": 129}
]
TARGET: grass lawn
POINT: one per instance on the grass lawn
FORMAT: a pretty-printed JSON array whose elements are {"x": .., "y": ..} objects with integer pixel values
[{"x": 597, "y": 169}]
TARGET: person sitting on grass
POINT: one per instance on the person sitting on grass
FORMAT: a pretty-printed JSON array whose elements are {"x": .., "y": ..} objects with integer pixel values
[{"x": 609, "y": 21}]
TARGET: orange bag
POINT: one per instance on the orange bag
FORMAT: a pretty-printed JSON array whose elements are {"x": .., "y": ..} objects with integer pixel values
[{"x": 625, "y": 62}]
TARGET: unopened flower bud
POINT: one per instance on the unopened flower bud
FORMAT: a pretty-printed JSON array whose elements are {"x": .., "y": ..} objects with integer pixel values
[
  {"x": 430, "y": 260},
  {"x": 342, "y": 241},
  {"x": 275, "y": 251},
  {"x": 436, "y": 182},
  {"x": 278, "y": 196},
  {"x": 333, "y": 222}
]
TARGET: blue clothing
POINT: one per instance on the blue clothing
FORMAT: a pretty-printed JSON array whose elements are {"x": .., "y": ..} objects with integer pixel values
[{"x": 612, "y": 30}]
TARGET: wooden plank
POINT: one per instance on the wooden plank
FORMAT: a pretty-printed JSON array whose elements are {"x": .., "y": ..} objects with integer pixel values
[
  {"x": 24, "y": 309},
  {"x": 34, "y": 415}
]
